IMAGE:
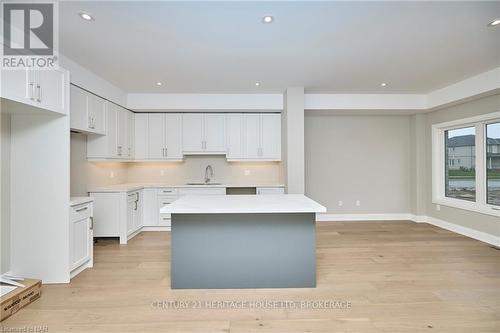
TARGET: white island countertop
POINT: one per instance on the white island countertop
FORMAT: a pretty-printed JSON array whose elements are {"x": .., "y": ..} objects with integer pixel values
[{"x": 243, "y": 204}]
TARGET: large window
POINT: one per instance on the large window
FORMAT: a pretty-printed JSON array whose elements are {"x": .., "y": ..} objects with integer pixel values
[
  {"x": 460, "y": 165},
  {"x": 466, "y": 164},
  {"x": 493, "y": 163}
]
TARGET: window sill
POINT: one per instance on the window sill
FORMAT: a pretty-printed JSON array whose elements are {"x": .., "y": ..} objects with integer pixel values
[{"x": 467, "y": 205}]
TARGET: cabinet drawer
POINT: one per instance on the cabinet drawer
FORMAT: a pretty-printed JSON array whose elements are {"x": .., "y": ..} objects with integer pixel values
[
  {"x": 165, "y": 220},
  {"x": 203, "y": 191},
  {"x": 80, "y": 212},
  {"x": 167, "y": 191}
]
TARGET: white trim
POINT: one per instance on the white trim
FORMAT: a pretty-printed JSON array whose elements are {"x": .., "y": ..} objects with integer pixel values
[
  {"x": 473, "y": 86},
  {"x": 365, "y": 102},
  {"x": 362, "y": 217},
  {"x": 159, "y": 228},
  {"x": 465, "y": 231}
]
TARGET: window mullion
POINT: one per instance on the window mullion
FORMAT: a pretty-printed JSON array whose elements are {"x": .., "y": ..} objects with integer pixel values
[{"x": 480, "y": 164}]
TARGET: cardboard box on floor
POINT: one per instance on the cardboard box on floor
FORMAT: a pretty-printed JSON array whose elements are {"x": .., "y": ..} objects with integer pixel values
[{"x": 20, "y": 297}]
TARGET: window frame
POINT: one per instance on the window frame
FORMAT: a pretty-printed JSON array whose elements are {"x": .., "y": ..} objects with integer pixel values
[{"x": 439, "y": 197}]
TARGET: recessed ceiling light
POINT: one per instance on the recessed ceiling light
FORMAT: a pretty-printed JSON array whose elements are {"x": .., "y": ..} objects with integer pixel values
[
  {"x": 159, "y": 83},
  {"x": 494, "y": 22},
  {"x": 383, "y": 84},
  {"x": 257, "y": 84},
  {"x": 86, "y": 16},
  {"x": 267, "y": 19}
]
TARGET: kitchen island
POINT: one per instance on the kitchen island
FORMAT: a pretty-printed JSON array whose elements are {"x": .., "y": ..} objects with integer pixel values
[{"x": 243, "y": 241}]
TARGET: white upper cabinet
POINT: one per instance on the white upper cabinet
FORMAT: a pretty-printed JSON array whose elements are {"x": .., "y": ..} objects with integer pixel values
[
  {"x": 192, "y": 133},
  {"x": 270, "y": 132},
  {"x": 234, "y": 136},
  {"x": 173, "y": 136},
  {"x": 44, "y": 88},
  {"x": 253, "y": 137},
  {"x": 203, "y": 134},
  {"x": 158, "y": 136},
  {"x": 118, "y": 143},
  {"x": 141, "y": 136},
  {"x": 87, "y": 112},
  {"x": 96, "y": 111}
]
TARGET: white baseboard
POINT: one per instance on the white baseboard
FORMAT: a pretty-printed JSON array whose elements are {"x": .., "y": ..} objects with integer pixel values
[
  {"x": 465, "y": 231},
  {"x": 479, "y": 235},
  {"x": 362, "y": 217},
  {"x": 157, "y": 228}
]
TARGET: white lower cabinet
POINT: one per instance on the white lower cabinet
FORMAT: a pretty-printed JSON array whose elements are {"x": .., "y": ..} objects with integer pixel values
[
  {"x": 270, "y": 190},
  {"x": 80, "y": 238},
  {"x": 118, "y": 214}
]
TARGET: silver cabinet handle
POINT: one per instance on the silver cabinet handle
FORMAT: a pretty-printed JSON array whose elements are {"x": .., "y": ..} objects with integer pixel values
[
  {"x": 165, "y": 203},
  {"x": 31, "y": 92},
  {"x": 166, "y": 151},
  {"x": 495, "y": 208},
  {"x": 39, "y": 89},
  {"x": 91, "y": 223},
  {"x": 81, "y": 209}
]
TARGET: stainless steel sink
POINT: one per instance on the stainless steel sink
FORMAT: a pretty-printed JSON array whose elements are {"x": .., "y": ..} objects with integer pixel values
[{"x": 203, "y": 183}]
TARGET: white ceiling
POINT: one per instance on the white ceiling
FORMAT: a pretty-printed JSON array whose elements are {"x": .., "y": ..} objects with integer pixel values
[{"x": 222, "y": 47}]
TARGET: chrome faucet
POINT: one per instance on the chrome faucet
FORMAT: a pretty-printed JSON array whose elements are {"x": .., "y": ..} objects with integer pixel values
[{"x": 208, "y": 170}]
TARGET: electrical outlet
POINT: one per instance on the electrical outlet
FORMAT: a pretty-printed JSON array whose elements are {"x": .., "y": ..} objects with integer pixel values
[
  {"x": 358, "y": 203},
  {"x": 247, "y": 172},
  {"x": 341, "y": 203},
  {"x": 162, "y": 172},
  {"x": 438, "y": 207},
  {"x": 112, "y": 174}
]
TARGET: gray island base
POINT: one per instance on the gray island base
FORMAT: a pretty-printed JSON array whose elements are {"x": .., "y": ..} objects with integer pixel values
[
  {"x": 272, "y": 250},
  {"x": 228, "y": 242}
]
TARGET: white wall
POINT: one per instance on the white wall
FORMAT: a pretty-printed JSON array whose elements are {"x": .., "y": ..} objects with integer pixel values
[
  {"x": 5, "y": 191},
  {"x": 86, "y": 175},
  {"x": 364, "y": 158}
]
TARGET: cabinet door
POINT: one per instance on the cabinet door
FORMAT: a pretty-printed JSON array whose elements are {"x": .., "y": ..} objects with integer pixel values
[
  {"x": 96, "y": 113},
  {"x": 79, "y": 118},
  {"x": 234, "y": 136},
  {"x": 122, "y": 132},
  {"x": 214, "y": 130},
  {"x": 252, "y": 136},
  {"x": 150, "y": 209},
  {"x": 51, "y": 90},
  {"x": 173, "y": 136},
  {"x": 156, "y": 134},
  {"x": 192, "y": 133},
  {"x": 130, "y": 135},
  {"x": 112, "y": 130},
  {"x": 271, "y": 136},
  {"x": 80, "y": 243},
  {"x": 18, "y": 85},
  {"x": 141, "y": 136},
  {"x": 130, "y": 217}
]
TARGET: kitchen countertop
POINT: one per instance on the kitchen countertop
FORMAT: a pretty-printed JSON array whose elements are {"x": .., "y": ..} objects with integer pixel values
[
  {"x": 243, "y": 204},
  {"x": 74, "y": 201},
  {"x": 138, "y": 186}
]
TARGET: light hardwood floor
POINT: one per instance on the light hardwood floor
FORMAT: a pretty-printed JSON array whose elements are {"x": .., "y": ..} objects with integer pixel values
[{"x": 398, "y": 276}]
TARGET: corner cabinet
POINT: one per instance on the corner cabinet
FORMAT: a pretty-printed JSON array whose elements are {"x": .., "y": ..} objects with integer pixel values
[
  {"x": 118, "y": 143},
  {"x": 253, "y": 137},
  {"x": 46, "y": 89}
]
